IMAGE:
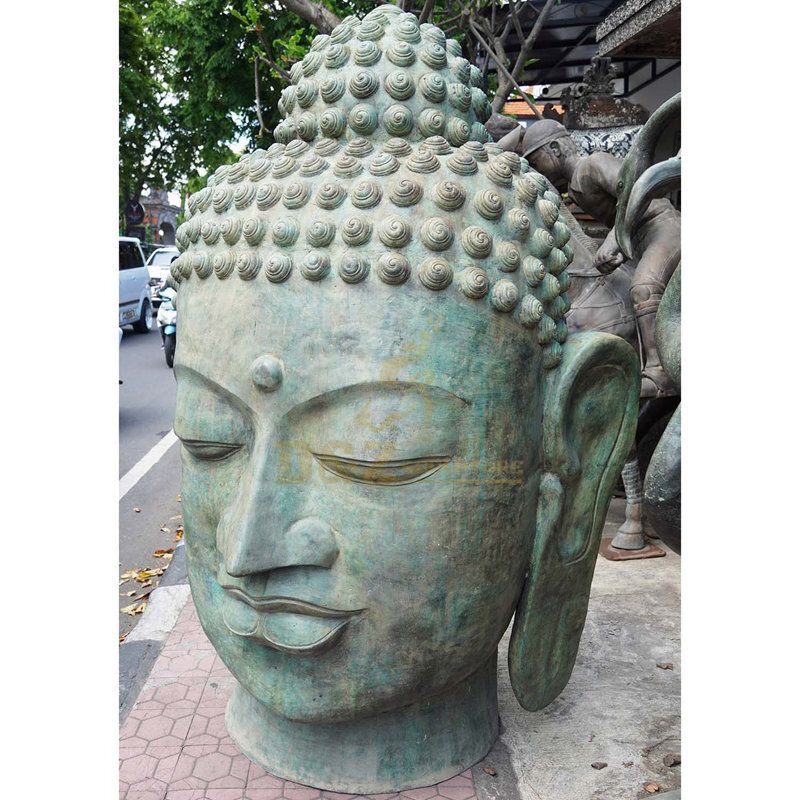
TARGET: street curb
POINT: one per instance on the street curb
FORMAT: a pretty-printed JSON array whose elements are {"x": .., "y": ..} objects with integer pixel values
[
  {"x": 144, "y": 643},
  {"x": 176, "y": 573},
  {"x": 166, "y": 603}
]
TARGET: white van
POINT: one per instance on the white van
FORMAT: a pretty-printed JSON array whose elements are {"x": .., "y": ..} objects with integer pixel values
[{"x": 134, "y": 287}]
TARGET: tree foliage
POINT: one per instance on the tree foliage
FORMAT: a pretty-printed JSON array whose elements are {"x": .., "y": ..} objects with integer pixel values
[
  {"x": 188, "y": 72},
  {"x": 198, "y": 78},
  {"x": 143, "y": 115}
]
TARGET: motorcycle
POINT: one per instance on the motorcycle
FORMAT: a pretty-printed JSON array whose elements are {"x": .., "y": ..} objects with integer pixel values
[{"x": 167, "y": 319}]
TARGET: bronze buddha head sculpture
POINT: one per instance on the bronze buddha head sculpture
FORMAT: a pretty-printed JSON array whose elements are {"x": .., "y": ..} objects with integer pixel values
[{"x": 389, "y": 443}]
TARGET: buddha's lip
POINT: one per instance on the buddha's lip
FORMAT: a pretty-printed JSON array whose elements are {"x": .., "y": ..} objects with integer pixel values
[{"x": 290, "y": 605}]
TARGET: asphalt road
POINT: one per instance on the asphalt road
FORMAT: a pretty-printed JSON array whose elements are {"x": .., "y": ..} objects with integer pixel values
[{"x": 146, "y": 410}]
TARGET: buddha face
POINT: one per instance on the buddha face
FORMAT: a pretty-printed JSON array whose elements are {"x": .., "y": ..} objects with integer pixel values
[{"x": 360, "y": 473}]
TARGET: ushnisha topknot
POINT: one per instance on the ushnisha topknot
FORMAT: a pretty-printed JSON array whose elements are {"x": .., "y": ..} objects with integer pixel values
[
  {"x": 384, "y": 76},
  {"x": 372, "y": 182}
]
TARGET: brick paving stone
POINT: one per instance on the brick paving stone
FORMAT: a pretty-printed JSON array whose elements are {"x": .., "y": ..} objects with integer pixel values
[
  {"x": 263, "y": 794},
  {"x": 217, "y": 692},
  {"x": 145, "y": 794},
  {"x": 420, "y": 794},
  {"x": 208, "y": 727},
  {"x": 219, "y": 670},
  {"x": 176, "y": 692},
  {"x": 458, "y": 780},
  {"x": 456, "y": 792},
  {"x": 298, "y": 792},
  {"x": 138, "y": 768},
  {"x": 257, "y": 778},
  {"x": 180, "y": 662},
  {"x": 174, "y": 744}
]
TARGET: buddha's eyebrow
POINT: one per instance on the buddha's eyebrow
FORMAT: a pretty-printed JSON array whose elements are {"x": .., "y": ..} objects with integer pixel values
[
  {"x": 212, "y": 385},
  {"x": 354, "y": 391}
]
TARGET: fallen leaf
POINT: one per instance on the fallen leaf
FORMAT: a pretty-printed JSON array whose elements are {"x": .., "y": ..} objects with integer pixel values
[
  {"x": 134, "y": 609},
  {"x": 178, "y": 534},
  {"x": 178, "y": 498},
  {"x": 137, "y": 510},
  {"x": 664, "y": 664},
  {"x": 144, "y": 574},
  {"x": 142, "y": 596},
  {"x": 599, "y": 765},
  {"x": 128, "y": 594},
  {"x": 672, "y": 759},
  {"x": 164, "y": 552},
  {"x": 651, "y": 788},
  {"x": 627, "y": 763},
  {"x": 148, "y": 582},
  {"x": 122, "y": 638},
  {"x": 490, "y": 770},
  {"x": 165, "y": 529},
  {"x": 126, "y": 576}
]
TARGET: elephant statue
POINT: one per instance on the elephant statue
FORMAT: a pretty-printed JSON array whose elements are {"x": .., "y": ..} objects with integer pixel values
[{"x": 641, "y": 181}]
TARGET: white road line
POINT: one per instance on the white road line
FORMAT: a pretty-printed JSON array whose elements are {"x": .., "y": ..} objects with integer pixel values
[{"x": 140, "y": 468}]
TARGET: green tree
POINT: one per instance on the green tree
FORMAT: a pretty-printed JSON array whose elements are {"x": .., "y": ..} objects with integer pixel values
[
  {"x": 200, "y": 79},
  {"x": 190, "y": 72},
  {"x": 143, "y": 120}
]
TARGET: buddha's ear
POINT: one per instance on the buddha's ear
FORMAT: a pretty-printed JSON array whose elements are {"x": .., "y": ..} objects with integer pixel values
[{"x": 591, "y": 406}]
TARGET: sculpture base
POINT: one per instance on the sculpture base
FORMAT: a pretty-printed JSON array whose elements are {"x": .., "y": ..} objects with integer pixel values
[
  {"x": 418, "y": 745},
  {"x": 608, "y": 551}
]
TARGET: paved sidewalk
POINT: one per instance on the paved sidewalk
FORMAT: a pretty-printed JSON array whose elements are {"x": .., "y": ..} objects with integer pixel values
[
  {"x": 619, "y": 707},
  {"x": 174, "y": 744}
]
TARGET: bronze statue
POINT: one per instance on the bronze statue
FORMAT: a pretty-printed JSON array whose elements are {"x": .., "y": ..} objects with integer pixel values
[
  {"x": 391, "y": 442},
  {"x": 601, "y": 300},
  {"x": 642, "y": 180},
  {"x": 593, "y": 183}
]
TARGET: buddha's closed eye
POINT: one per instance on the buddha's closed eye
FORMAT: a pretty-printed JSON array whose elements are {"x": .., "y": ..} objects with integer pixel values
[
  {"x": 382, "y": 473},
  {"x": 210, "y": 451}
]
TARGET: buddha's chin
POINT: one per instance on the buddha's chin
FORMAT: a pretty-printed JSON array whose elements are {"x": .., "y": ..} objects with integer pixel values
[{"x": 321, "y": 688}]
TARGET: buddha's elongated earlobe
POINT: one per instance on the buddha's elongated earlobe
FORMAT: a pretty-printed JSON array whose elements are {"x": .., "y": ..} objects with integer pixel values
[{"x": 589, "y": 424}]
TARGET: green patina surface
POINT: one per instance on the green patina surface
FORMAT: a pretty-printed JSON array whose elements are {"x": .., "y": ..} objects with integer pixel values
[{"x": 385, "y": 430}]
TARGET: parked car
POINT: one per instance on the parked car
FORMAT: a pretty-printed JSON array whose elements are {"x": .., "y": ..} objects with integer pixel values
[
  {"x": 158, "y": 267},
  {"x": 148, "y": 248},
  {"x": 135, "y": 307}
]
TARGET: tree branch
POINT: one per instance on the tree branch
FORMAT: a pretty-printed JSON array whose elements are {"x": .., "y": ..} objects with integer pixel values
[
  {"x": 512, "y": 7},
  {"x": 269, "y": 59},
  {"x": 261, "y": 127},
  {"x": 426, "y": 11},
  {"x": 315, "y": 13},
  {"x": 527, "y": 47},
  {"x": 509, "y": 77}
]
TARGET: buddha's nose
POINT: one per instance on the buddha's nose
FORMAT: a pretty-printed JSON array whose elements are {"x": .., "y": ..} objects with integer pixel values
[
  {"x": 254, "y": 548},
  {"x": 266, "y": 527}
]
